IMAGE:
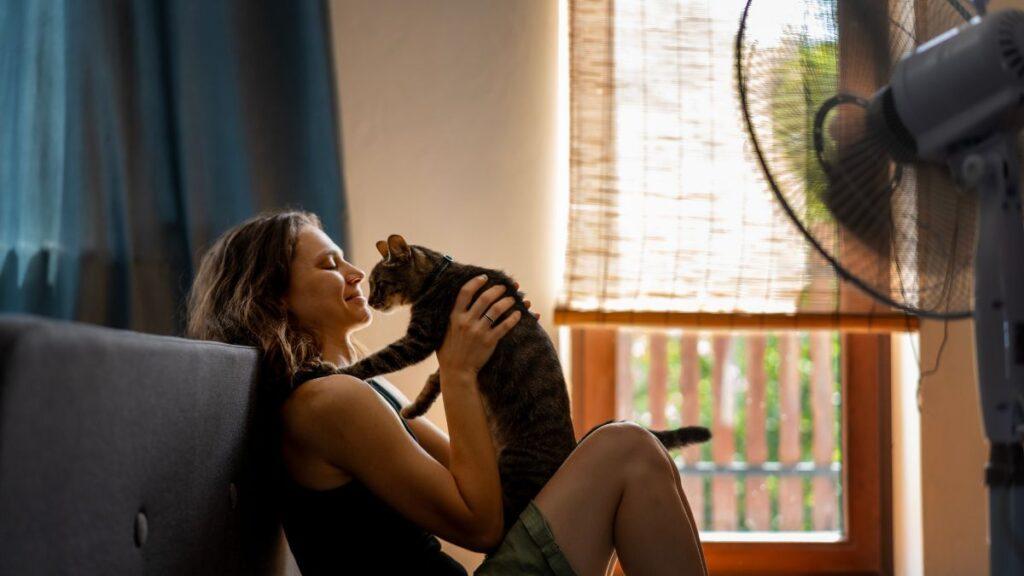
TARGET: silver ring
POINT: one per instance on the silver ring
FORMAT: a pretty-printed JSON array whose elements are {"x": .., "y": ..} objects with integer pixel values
[{"x": 489, "y": 318}]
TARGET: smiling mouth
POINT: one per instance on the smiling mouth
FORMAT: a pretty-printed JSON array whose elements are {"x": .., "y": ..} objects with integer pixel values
[{"x": 353, "y": 296}]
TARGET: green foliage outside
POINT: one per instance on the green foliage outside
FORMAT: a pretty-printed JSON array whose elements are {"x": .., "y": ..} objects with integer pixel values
[
  {"x": 801, "y": 84},
  {"x": 674, "y": 398}
]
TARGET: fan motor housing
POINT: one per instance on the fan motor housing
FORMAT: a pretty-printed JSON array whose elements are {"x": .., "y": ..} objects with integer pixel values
[{"x": 958, "y": 87}]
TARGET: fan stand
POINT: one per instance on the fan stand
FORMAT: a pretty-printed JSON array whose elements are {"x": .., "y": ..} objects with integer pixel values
[{"x": 992, "y": 169}]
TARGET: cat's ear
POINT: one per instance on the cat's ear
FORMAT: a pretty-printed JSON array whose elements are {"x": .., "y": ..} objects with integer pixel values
[
  {"x": 382, "y": 247},
  {"x": 398, "y": 248}
]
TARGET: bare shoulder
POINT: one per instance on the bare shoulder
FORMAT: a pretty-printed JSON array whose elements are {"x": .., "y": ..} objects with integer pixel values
[
  {"x": 318, "y": 390},
  {"x": 318, "y": 403}
]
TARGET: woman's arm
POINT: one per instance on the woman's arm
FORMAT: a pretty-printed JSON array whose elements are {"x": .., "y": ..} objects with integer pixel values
[
  {"x": 349, "y": 425},
  {"x": 346, "y": 423},
  {"x": 467, "y": 346},
  {"x": 432, "y": 438},
  {"x": 473, "y": 464}
]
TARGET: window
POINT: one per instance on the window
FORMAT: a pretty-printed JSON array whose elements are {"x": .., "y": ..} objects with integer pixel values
[
  {"x": 773, "y": 401},
  {"x": 691, "y": 298},
  {"x": 801, "y": 489}
]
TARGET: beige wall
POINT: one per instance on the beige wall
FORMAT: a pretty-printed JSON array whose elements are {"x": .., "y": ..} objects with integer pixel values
[
  {"x": 448, "y": 111},
  {"x": 953, "y": 455},
  {"x": 906, "y": 458}
]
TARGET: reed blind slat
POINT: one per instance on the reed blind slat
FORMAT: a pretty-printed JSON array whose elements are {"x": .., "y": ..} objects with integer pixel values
[{"x": 670, "y": 218}]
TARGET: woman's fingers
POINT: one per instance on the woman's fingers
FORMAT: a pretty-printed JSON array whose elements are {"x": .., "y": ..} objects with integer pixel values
[
  {"x": 526, "y": 302},
  {"x": 507, "y": 324},
  {"x": 486, "y": 300},
  {"x": 500, "y": 307},
  {"x": 466, "y": 293},
  {"x": 483, "y": 303}
]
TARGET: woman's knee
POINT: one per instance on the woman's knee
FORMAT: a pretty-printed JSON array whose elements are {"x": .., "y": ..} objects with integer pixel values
[{"x": 632, "y": 448}]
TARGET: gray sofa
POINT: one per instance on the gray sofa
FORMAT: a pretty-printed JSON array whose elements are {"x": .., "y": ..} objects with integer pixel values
[{"x": 126, "y": 453}]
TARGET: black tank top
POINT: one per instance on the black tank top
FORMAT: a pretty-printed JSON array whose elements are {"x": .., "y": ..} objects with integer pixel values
[{"x": 349, "y": 530}]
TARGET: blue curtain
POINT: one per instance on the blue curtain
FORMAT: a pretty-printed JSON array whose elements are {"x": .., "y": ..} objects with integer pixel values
[{"x": 133, "y": 132}]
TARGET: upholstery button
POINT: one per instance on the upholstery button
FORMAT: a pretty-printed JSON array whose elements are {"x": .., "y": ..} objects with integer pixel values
[
  {"x": 141, "y": 529},
  {"x": 233, "y": 495}
]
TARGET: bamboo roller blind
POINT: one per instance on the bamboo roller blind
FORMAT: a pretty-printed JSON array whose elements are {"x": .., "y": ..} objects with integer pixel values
[{"x": 671, "y": 222}]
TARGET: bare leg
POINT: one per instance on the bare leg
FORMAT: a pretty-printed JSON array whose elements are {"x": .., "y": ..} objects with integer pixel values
[
  {"x": 618, "y": 490},
  {"x": 689, "y": 511}
]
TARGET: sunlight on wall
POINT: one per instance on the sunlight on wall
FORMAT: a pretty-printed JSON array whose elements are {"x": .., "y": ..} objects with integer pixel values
[{"x": 908, "y": 539}]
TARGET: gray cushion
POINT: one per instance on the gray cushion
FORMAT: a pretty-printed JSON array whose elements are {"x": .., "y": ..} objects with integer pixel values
[{"x": 128, "y": 453}]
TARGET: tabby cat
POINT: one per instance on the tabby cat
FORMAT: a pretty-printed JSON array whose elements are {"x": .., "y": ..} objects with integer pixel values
[{"x": 524, "y": 392}]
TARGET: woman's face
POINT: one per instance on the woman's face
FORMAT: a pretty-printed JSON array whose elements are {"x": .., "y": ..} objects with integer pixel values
[{"x": 323, "y": 293}]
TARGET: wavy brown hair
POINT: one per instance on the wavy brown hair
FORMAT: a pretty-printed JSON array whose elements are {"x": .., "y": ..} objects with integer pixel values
[{"x": 237, "y": 296}]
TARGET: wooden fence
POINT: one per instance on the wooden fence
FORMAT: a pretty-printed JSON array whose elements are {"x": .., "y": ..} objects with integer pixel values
[{"x": 733, "y": 492}]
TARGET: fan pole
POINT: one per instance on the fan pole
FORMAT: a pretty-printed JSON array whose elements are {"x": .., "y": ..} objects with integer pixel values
[{"x": 992, "y": 169}]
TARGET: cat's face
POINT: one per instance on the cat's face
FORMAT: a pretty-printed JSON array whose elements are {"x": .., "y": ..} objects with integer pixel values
[{"x": 397, "y": 277}]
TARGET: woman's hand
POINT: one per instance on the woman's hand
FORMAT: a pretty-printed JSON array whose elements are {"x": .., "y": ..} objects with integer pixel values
[
  {"x": 526, "y": 302},
  {"x": 472, "y": 337}
]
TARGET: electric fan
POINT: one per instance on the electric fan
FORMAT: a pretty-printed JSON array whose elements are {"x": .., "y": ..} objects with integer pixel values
[{"x": 888, "y": 131}]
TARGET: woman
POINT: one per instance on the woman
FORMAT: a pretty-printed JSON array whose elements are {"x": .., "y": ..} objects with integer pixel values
[{"x": 367, "y": 491}]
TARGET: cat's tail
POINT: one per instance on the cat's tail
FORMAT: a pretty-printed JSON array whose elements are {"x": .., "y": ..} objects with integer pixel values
[
  {"x": 679, "y": 437},
  {"x": 674, "y": 438}
]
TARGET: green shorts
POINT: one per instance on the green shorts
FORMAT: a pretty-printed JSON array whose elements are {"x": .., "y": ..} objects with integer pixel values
[{"x": 529, "y": 548}]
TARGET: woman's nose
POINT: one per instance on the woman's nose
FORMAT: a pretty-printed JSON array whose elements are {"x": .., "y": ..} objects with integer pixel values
[{"x": 356, "y": 276}]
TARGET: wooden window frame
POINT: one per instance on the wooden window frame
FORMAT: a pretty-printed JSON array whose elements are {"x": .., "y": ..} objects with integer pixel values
[{"x": 867, "y": 440}]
